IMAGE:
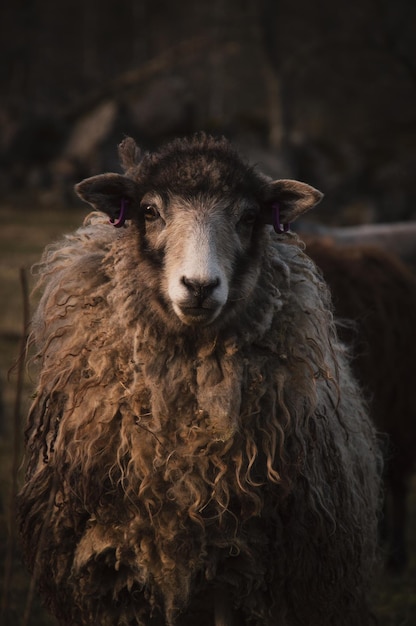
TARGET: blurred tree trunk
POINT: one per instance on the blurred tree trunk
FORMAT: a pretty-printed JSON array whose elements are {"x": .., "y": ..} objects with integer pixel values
[
  {"x": 217, "y": 70},
  {"x": 280, "y": 100},
  {"x": 91, "y": 24},
  {"x": 20, "y": 33}
]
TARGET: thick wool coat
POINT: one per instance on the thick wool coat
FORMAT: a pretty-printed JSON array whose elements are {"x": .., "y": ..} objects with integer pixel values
[{"x": 168, "y": 468}]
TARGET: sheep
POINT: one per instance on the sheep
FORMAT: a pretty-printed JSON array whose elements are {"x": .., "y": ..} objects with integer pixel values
[
  {"x": 398, "y": 238},
  {"x": 377, "y": 291},
  {"x": 197, "y": 450}
]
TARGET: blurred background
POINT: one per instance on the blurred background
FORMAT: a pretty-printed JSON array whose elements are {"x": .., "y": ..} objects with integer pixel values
[
  {"x": 321, "y": 91},
  {"x": 324, "y": 91}
]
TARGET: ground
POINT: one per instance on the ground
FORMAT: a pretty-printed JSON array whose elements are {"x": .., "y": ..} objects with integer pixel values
[{"x": 25, "y": 231}]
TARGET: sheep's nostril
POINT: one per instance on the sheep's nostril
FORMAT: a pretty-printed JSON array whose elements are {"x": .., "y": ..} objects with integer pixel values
[{"x": 199, "y": 288}]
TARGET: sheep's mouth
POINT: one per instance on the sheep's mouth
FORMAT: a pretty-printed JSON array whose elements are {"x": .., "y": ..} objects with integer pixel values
[{"x": 197, "y": 315}]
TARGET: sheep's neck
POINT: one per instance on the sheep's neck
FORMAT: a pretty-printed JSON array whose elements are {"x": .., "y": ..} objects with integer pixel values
[{"x": 201, "y": 387}]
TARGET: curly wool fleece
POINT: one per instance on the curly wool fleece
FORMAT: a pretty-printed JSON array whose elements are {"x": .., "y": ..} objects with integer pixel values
[{"x": 225, "y": 473}]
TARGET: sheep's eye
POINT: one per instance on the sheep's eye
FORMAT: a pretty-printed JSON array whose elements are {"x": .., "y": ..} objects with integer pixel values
[
  {"x": 248, "y": 218},
  {"x": 150, "y": 212}
]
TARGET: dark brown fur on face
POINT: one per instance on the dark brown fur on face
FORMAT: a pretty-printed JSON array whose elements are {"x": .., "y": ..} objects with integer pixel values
[
  {"x": 181, "y": 473},
  {"x": 198, "y": 214}
]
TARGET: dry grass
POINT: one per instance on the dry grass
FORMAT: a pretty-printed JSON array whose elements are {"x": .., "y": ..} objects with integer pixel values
[{"x": 24, "y": 233}]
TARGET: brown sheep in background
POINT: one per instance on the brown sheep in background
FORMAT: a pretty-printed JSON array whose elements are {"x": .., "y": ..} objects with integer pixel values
[
  {"x": 398, "y": 238},
  {"x": 198, "y": 450},
  {"x": 377, "y": 291}
]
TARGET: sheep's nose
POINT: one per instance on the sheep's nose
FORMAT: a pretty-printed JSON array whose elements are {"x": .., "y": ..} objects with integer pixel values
[{"x": 200, "y": 289}]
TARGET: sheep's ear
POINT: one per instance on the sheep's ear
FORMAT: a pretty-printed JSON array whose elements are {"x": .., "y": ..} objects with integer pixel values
[
  {"x": 129, "y": 153},
  {"x": 287, "y": 199},
  {"x": 110, "y": 193}
]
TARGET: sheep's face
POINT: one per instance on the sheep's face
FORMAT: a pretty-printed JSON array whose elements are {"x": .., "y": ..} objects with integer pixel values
[
  {"x": 205, "y": 242},
  {"x": 200, "y": 214}
]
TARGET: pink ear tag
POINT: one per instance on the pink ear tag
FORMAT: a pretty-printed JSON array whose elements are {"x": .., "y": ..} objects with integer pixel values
[
  {"x": 277, "y": 224},
  {"x": 119, "y": 222}
]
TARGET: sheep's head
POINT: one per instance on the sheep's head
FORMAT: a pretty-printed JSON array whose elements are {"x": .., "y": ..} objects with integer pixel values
[{"x": 200, "y": 214}]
